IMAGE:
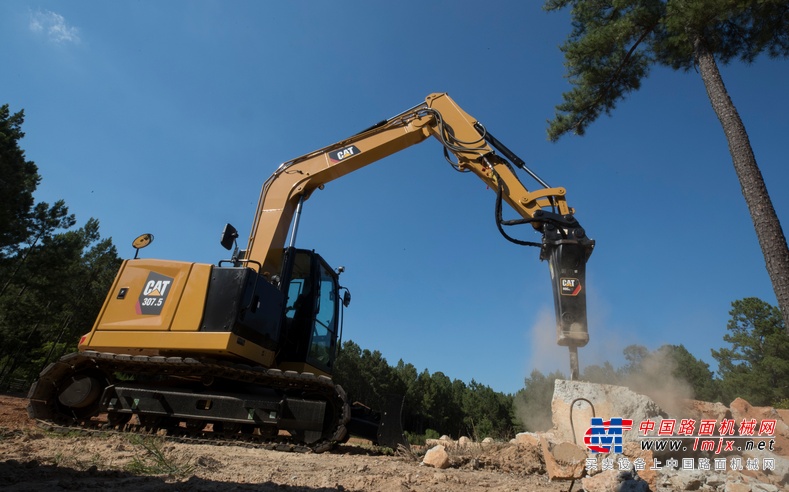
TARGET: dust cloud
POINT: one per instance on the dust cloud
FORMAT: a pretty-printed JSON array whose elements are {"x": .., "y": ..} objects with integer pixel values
[
  {"x": 652, "y": 375},
  {"x": 655, "y": 378},
  {"x": 544, "y": 354},
  {"x": 533, "y": 408}
]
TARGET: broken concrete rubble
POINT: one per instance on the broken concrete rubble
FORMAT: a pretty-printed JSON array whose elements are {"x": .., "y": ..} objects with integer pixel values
[
  {"x": 742, "y": 410},
  {"x": 612, "y": 480},
  {"x": 563, "y": 460},
  {"x": 562, "y": 454},
  {"x": 698, "y": 410},
  {"x": 527, "y": 439},
  {"x": 683, "y": 468}
]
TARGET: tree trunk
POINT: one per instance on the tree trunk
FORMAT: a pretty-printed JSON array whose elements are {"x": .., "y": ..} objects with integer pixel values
[{"x": 765, "y": 220}]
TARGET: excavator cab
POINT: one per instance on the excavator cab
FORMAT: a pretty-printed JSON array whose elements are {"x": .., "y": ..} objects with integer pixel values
[
  {"x": 303, "y": 315},
  {"x": 310, "y": 324}
]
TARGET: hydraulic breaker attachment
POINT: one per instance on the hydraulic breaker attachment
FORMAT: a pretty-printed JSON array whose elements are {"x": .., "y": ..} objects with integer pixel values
[{"x": 567, "y": 249}]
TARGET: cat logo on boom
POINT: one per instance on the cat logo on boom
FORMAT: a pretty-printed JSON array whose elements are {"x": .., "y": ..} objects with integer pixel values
[
  {"x": 338, "y": 155},
  {"x": 570, "y": 286},
  {"x": 153, "y": 294}
]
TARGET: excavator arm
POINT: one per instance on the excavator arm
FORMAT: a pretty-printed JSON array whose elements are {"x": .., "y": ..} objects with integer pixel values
[
  {"x": 469, "y": 148},
  {"x": 247, "y": 352}
]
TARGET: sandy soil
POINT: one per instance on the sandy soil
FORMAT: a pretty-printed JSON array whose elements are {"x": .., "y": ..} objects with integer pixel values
[{"x": 32, "y": 459}]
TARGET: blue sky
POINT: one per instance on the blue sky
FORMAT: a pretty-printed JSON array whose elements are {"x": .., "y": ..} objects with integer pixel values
[{"x": 166, "y": 117}]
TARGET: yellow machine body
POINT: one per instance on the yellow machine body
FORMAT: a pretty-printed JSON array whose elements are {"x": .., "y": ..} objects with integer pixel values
[{"x": 156, "y": 307}]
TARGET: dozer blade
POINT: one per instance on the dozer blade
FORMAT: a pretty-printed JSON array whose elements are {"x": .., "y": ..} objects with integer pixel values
[
  {"x": 385, "y": 428},
  {"x": 390, "y": 429}
]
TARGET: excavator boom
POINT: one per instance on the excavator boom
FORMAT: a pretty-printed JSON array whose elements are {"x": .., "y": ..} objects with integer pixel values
[
  {"x": 564, "y": 243},
  {"x": 245, "y": 349}
]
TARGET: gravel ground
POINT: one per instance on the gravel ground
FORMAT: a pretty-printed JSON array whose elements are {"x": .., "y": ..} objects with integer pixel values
[{"x": 32, "y": 459}]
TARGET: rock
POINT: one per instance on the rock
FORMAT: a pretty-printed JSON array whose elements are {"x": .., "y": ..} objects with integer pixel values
[
  {"x": 608, "y": 401},
  {"x": 445, "y": 441},
  {"x": 436, "y": 457},
  {"x": 464, "y": 441},
  {"x": 699, "y": 410},
  {"x": 632, "y": 483},
  {"x": 737, "y": 487},
  {"x": 602, "y": 482},
  {"x": 778, "y": 475},
  {"x": 613, "y": 480},
  {"x": 633, "y": 451},
  {"x": 488, "y": 440},
  {"x": 716, "y": 481},
  {"x": 563, "y": 461},
  {"x": 687, "y": 479},
  {"x": 742, "y": 410},
  {"x": 527, "y": 439},
  {"x": 763, "y": 487}
]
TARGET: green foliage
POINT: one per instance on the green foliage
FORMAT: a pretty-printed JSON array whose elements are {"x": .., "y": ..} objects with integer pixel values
[
  {"x": 756, "y": 366},
  {"x": 18, "y": 179},
  {"x": 602, "y": 64},
  {"x": 420, "y": 439},
  {"x": 53, "y": 277},
  {"x": 366, "y": 375},
  {"x": 486, "y": 412},
  {"x": 613, "y": 45},
  {"x": 431, "y": 401},
  {"x": 154, "y": 460}
]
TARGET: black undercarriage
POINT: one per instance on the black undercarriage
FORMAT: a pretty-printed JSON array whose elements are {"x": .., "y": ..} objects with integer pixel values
[{"x": 184, "y": 396}]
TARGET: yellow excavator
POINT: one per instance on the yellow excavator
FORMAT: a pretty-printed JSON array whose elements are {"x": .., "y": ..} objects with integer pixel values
[{"x": 244, "y": 350}]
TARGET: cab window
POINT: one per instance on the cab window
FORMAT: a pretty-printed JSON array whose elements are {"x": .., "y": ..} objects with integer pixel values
[{"x": 325, "y": 327}]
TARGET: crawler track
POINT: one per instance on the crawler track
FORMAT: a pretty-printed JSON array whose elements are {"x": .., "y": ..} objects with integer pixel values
[{"x": 47, "y": 406}]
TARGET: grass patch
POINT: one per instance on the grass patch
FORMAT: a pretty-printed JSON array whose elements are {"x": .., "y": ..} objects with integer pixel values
[
  {"x": 153, "y": 460},
  {"x": 6, "y": 433}
]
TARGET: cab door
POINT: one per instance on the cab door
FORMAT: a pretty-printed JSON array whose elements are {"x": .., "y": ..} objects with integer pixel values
[
  {"x": 324, "y": 329},
  {"x": 311, "y": 313}
]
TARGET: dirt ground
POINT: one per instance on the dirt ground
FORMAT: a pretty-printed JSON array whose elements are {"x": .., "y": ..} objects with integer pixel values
[{"x": 32, "y": 459}]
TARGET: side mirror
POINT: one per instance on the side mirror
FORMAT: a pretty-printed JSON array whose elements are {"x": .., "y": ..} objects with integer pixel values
[
  {"x": 346, "y": 298},
  {"x": 229, "y": 236},
  {"x": 140, "y": 242}
]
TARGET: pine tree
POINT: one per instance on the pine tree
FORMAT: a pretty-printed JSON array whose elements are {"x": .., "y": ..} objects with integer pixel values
[
  {"x": 612, "y": 46},
  {"x": 756, "y": 366},
  {"x": 18, "y": 180}
]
